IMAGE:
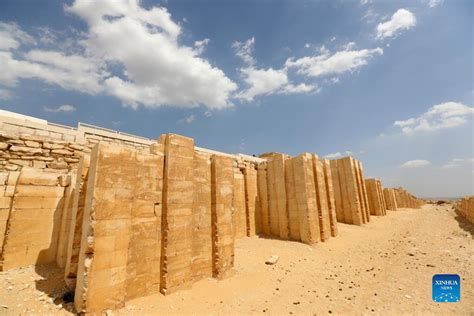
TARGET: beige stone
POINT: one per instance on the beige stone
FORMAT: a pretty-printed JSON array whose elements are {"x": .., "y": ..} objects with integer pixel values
[{"x": 37, "y": 178}]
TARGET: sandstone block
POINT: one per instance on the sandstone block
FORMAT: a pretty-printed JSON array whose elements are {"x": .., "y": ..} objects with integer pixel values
[
  {"x": 4, "y": 146},
  {"x": 5, "y": 202},
  {"x": 62, "y": 152},
  {"x": 39, "y": 191},
  {"x": 33, "y": 144},
  {"x": 19, "y": 162},
  {"x": 26, "y": 150},
  {"x": 33, "y": 177}
]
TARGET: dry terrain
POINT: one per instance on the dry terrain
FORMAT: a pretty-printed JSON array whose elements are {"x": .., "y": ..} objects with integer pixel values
[{"x": 384, "y": 267}]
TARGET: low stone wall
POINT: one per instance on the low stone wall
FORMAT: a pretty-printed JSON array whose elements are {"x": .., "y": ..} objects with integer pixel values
[
  {"x": 31, "y": 142},
  {"x": 465, "y": 207}
]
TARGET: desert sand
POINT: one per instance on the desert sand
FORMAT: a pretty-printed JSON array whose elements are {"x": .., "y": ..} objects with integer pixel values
[{"x": 384, "y": 267}]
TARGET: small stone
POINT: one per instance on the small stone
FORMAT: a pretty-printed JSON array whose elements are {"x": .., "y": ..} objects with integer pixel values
[
  {"x": 33, "y": 144},
  {"x": 407, "y": 296},
  {"x": 272, "y": 260}
]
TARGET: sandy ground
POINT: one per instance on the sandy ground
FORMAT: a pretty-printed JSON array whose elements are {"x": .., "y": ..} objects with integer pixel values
[{"x": 383, "y": 268}]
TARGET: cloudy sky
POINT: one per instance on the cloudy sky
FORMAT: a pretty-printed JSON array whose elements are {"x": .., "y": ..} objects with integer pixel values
[{"x": 389, "y": 82}]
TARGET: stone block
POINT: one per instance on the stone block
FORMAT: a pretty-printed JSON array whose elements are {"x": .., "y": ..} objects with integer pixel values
[
  {"x": 38, "y": 191},
  {"x": 321, "y": 198},
  {"x": 240, "y": 221},
  {"x": 5, "y": 202},
  {"x": 263, "y": 198},
  {"x": 222, "y": 223},
  {"x": 25, "y": 150},
  {"x": 330, "y": 196},
  {"x": 250, "y": 176},
  {"x": 277, "y": 196},
  {"x": 306, "y": 198},
  {"x": 293, "y": 215}
]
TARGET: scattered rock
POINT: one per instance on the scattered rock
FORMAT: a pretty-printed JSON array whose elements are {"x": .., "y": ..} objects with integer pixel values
[
  {"x": 272, "y": 260},
  {"x": 407, "y": 296}
]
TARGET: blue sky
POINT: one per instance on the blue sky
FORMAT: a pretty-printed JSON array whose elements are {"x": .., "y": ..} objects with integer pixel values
[{"x": 389, "y": 82}]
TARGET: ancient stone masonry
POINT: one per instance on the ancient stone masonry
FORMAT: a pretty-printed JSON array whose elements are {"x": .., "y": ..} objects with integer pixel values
[
  {"x": 31, "y": 210},
  {"x": 405, "y": 200},
  {"x": 75, "y": 219},
  {"x": 263, "y": 214},
  {"x": 465, "y": 207},
  {"x": 350, "y": 193},
  {"x": 296, "y": 198},
  {"x": 127, "y": 217},
  {"x": 376, "y": 197},
  {"x": 390, "y": 199}
]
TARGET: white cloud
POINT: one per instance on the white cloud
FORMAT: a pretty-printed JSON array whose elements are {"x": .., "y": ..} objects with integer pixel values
[
  {"x": 157, "y": 70},
  {"x": 456, "y": 163},
  {"x": 208, "y": 114},
  {"x": 441, "y": 116},
  {"x": 417, "y": 163},
  {"x": 434, "y": 3},
  {"x": 337, "y": 63},
  {"x": 200, "y": 46},
  {"x": 5, "y": 94},
  {"x": 59, "y": 109},
  {"x": 11, "y": 36},
  {"x": 140, "y": 47},
  {"x": 188, "y": 119},
  {"x": 244, "y": 50},
  {"x": 46, "y": 35},
  {"x": 400, "y": 20},
  {"x": 338, "y": 154},
  {"x": 69, "y": 72},
  {"x": 264, "y": 81},
  {"x": 333, "y": 155}
]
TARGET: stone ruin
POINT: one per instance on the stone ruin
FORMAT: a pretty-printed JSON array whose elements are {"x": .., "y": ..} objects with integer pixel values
[
  {"x": 126, "y": 221},
  {"x": 465, "y": 207}
]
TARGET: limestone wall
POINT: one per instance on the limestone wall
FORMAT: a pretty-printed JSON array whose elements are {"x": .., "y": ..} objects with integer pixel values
[
  {"x": 296, "y": 198},
  {"x": 31, "y": 142},
  {"x": 126, "y": 217},
  {"x": 376, "y": 197},
  {"x": 31, "y": 216},
  {"x": 74, "y": 221},
  {"x": 350, "y": 193},
  {"x": 466, "y": 208},
  {"x": 120, "y": 252},
  {"x": 391, "y": 201},
  {"x": 405, "y": 200},
  {"x": 153, "y": 222}
]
